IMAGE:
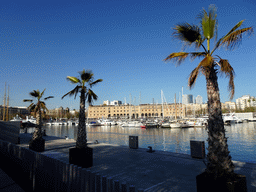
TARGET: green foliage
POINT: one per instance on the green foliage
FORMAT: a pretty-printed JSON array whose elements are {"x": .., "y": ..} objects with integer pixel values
[
  {"x": 194, "y": 35},
  {"x": 85, "y": 83}
]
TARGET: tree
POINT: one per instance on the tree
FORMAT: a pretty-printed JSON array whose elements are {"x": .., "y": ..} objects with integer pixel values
[
  {"x": 88, "y": 95},
  {"x": 219, "y": 161},
  {"x": 37, "y": 107}
]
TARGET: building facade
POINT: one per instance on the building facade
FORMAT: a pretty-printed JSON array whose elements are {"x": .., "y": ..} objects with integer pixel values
[
  {"x": 115, "y": 102},
  {"x": 143, "y": 110},
  {"x": 230, "y": 106},
  {"x": 245, "y": 101},
  {"x": 58, "y": 112},
  {"x": 187, "y": 99},
  {"x": 199, "y": 99},
  {"x": 12, "y": 111}
]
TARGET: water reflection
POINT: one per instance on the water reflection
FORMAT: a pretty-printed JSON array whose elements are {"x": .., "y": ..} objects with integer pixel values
[{"x": 241, "y": 138}]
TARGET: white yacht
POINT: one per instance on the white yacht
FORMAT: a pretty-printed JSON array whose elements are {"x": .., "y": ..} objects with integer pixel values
[
  {"x": 166, "y": 124},
  {"x": 17, "y": 118},
  {"x": 93, "y": 123},
  {"x": 31, "y": 119},
  {"x": 132, "y": 124},
  {"x": 71, "y": 122},
  {"x": 175, "y": 124},
  {"x": 228, "y": 119},
  {"x": 237, "y": 119},
  {"x": 107, "y": 122}
]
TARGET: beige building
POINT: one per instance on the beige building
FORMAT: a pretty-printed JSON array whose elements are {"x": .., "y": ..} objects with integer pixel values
[
  {"x": 58, "y": 112},
  {"x": 141, "y": 111},
  {"x": 231, "y": 106}
]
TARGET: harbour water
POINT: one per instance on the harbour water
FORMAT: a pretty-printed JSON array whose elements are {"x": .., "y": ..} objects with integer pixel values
[{"x": 241, "y": 138}]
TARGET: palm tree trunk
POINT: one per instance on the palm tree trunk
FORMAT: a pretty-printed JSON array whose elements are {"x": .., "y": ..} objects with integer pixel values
[
  {"x": 219, "y": 160},
  {"x": 38, "y": 132},
  {"x": 81, "y": 141}
]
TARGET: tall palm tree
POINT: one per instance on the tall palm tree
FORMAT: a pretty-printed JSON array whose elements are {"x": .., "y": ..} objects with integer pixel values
[
  {"x": 219, "y": 160},
  {"x": 84, "y": 87},
  {"x": 37, "y": 107}
]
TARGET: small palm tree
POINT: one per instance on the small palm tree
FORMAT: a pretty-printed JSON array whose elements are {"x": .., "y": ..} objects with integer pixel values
[
  {"x": 219, "y": 160},
  {"x": 37, "y": 107},
  {"x": 87, "y": 78}
]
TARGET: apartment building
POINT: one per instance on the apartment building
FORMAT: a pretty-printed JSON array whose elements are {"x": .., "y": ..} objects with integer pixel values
[{"x": 245, "y": 101}]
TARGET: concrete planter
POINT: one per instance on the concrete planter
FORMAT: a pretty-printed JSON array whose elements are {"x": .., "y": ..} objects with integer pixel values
[
  {"x": 81, "y": 157},
  {"x": 37, "y": 145},
  {"x": 205, "y": 182}
]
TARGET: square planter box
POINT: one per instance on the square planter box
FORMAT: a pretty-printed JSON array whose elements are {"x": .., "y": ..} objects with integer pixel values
[
  {"x": 37, "y": 145},
  {"x": 204, "y": 182},
  {"x": 133, "y": 142},
  {"x": 197, "y": 149},
  {"x": 81, "y": 157}
]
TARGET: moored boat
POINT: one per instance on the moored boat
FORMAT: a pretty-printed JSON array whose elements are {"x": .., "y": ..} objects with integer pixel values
[{"x": 132, "y": 124}]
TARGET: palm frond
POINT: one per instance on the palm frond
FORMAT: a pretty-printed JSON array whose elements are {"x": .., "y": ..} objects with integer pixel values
[
  {"x": 43, "y": 105},
  {"x": 48, "y": 97},
  {"x": 235, "y": 27},
  {"x": 178, "y": 58},
  {"x": 86, "y": 75},
  {"x": 27, "y": 100},
  {"x": 228, "y": 70},
  {"x": 73, "y": 80},
  {"x": 209, "y": 22},
  {"x": 231, "y": 31},
  {"x": 95, "y": 82},
  {"x": 234, "y": 39},
  {"x": 42, "y": 93},
  {"x": 91, "y": 96},
  {"x": 194, "y": 55},
  {"x": 34, "y": 93},
  {"x": 193, "y": 76},
  {"x": 31, "y": 107},
  {"x": 189, "y": 34},
  {"x": 73, "y": 92}
]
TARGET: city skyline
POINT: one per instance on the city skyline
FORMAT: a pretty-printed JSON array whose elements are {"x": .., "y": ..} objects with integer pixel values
[{"x": 122, "y": 42}]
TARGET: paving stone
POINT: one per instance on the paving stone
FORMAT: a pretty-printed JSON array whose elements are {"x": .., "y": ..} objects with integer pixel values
[{"x": 159, "y": 171}]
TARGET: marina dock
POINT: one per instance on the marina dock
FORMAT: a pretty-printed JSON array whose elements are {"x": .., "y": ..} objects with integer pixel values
[{"x": 157, "y": 171}]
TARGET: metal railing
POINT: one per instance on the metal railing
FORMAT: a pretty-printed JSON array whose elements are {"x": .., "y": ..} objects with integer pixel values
[{"x": 37, "y": 172}]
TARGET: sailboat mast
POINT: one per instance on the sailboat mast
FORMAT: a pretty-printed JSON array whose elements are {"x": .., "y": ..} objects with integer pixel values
[
  {"x": 179, "y": 106},
  {"x": 130, "y": 107},
  {"x": 134, "y": 101},
  {"x": 139, "y": 104},
  {"x": 162, "y": 103},
  {"x": 4, "y": 101},
  {"x": 7, "y": 112},
  {"x": 175, "y": 107}
]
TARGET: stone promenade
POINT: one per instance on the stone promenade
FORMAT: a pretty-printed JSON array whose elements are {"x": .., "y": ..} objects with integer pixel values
[{"x": 158, "y": 171}]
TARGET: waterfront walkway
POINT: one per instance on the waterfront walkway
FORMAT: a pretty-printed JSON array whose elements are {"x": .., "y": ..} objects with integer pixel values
[{"x": 159, "y": 171}]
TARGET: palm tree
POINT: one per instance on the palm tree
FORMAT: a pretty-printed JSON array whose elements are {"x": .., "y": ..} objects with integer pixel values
[
  {"x": 219, "y": 160},
  {"x": 37, "y": 107},
  {"x": 87, "y": 78}
]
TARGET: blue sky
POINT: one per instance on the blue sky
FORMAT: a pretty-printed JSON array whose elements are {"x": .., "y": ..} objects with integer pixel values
[{"x": 122, "y": 42}]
